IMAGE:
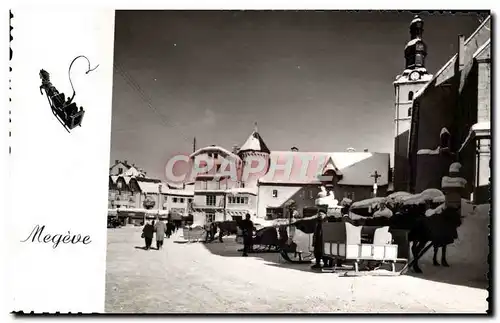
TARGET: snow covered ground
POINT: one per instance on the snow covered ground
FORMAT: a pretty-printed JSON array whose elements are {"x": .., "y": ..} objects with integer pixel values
[{"x": 214, "y": 278}]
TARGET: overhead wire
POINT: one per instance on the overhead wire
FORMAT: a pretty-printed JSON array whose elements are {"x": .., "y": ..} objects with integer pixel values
[{"x": 134, "y": 85}]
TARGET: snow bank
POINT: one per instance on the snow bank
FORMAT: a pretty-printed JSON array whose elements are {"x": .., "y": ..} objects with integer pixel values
[
  {"x": 450, "y": 182},
  {"x": 429, "y": 151},
  {"x": 455, "y": 168},
  {"x": 470, "y": 251},
  {"x": 443, "y": 131}
]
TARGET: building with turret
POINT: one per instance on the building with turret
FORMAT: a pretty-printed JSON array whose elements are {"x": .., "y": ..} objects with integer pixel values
[{"x": 265, "y": 182}]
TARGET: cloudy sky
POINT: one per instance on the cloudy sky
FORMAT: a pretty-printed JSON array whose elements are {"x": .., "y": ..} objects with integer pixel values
[{"x": 320, "y": 81}]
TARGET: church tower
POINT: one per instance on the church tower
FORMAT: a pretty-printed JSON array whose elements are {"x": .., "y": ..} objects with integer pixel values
[
  {"x": 406, "y": 85},
  {"x": 254, "y": 152}
]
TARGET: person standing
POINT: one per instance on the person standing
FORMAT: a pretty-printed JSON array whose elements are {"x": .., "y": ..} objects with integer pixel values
[
  {"x": 147, "y": 234},
  {"x": 247, "y": 228},
  {"x": 160, "y": 229},
  {"x": 318, "y": 241}
]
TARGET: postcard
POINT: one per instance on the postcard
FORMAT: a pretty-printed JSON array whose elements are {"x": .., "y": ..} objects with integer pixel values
[{"x": 249, "y": 161}]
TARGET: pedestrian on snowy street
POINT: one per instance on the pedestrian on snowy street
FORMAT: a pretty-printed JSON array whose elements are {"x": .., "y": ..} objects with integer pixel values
[
  {"x": 160, "y": 229},
  {"x": 247, "y": 228},
  {"x": 147, "y": 234}
]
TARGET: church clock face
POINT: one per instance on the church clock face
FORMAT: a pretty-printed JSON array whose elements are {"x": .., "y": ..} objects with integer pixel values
[{"x": 414, "y": 76}]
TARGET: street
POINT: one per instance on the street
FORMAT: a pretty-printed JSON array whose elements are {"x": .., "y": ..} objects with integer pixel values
[{"x": 189, "y": 278}]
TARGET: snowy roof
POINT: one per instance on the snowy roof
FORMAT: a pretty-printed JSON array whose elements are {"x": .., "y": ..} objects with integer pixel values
[
  {"x": 455, "y": 167},
  {"x": 356, "y": 167},
  {"x": 449, "y": 182},
  {"x": 426, "y": 195},
  {"x": 210, "y": 149},
  {"x": 254, "y": 143},
  {"x": 368, "y": 202},
  {"x": 485, "y": 125},
  {"x": 148, "y": 187},
  {"x": 486, "y": 46},
  {"x": 481, "y": 128},
  {"x": 413, "y": 42},
  {"x": 242, "y": 190},
  {"x": 451, "y": 62},
  {"x": 405, "y": 77},
  {"x": 415, "y": 20}
]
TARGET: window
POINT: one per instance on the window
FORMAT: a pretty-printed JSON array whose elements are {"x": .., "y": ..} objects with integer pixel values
[
  {"x": 238, "y": 200},
  {"x": 274, "y": 213},
  {"x": 216, "y": 155},
  {"x": 410, "y": 96},
  {"x": 190, "y": 200},
  {"x": 409, "y": 111},
  {"x": 174, "y": 199},
  {"x": 120, "y": 170},
  {"x": 275, "y": 193},
  {"x": 181, "y": 200},
  {"x": 210, "y": 217},
  {"x": 210, "y": 200}
]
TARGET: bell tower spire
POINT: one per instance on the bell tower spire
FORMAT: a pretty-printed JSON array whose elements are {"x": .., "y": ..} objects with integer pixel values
[
  {"x": 416, "y": 49},
  {"x": 406, "y": 85}
]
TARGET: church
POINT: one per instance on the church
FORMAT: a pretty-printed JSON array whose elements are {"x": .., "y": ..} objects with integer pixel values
[
  {"x": 284, "y": 180},
  {"x": 445, "y": 117}
]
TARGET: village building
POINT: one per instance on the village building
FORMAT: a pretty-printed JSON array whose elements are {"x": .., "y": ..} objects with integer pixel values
[
  {"x": 133, "y": 197},
  {"x": 267, "y": 190},
  {"x": 450, "y": 120}
]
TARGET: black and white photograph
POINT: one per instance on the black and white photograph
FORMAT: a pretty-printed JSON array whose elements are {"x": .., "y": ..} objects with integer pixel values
[{"x": 298, "y": 161}]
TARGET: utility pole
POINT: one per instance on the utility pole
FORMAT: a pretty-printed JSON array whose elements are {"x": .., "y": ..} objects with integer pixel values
[{"x": 194, "y": 144}]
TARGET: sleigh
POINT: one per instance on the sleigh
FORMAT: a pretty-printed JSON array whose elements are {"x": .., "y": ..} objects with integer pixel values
[
  {"x": 68, "y": 115},
  {"x": 370, "y": 246},
  {"x": 65, "y": 110}
]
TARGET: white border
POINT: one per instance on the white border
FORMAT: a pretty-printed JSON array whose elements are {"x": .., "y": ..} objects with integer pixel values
[{"x": 256, "y": 4}]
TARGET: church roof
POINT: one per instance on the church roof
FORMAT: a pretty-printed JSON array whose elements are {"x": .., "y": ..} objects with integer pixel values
[
  {"x": 254, "y": 143},
  {"x": 479, "y": 38},
  {"x": 356, "y": 168}
]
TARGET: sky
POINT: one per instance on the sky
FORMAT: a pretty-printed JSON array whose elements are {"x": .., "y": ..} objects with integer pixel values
[{"x": 316, "y": 80}]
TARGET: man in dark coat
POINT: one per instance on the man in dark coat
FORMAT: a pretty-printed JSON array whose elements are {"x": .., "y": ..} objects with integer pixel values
[
  {"x": 247, "y": 228},
  {"x": 148, "y": 233},
  {"x": 318, "y": 243}
]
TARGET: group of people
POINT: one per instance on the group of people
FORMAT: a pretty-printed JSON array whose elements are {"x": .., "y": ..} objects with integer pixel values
[{"x": 158, "y": 228}]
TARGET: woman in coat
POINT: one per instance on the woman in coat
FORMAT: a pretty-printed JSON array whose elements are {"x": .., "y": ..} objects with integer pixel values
[{"x": 160, "y": 229}]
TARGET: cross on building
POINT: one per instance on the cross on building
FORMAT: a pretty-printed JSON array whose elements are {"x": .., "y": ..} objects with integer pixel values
[{"x": 376, "y": 176}]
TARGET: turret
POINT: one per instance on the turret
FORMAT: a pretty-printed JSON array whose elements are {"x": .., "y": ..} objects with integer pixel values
[{"x": 256, "y": 159}]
